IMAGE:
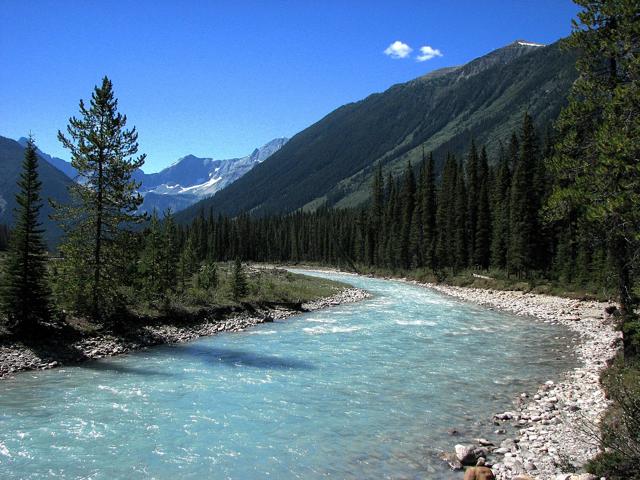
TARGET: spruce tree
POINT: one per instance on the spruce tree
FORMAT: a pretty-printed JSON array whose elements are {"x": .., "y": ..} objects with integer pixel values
[
  {"x": 524, "y": 203},
  {"x": 429, "y": 209},
  {"x": 104, "y": 201},
  {"x": 407, "y": 200},
  {"x": 460, "y": 218},
  {"x": 482, "y": 244},
  {"x": 25, "y": 293},
  {"x": 187, "y": 263},
  {"x": 151, "y": 261},
  {"x": 501, "y": 215},
  {"x": 376, "y": 216},
  {"x": 596, "y": 160},
  {"x": 473, "y": 189},
  {"x": 239, "y": 287},
  {"x": 169, "y": 259}
]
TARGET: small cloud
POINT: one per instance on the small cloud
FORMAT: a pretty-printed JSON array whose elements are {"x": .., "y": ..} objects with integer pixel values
[
  {"x": 398, "y": 49},
  {"x": 427, "y": 53}
]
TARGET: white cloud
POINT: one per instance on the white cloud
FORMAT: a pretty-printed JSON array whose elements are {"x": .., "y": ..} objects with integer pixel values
[
  {"x": 427, "y": 53},
  {"x": 398, "y": 49}
]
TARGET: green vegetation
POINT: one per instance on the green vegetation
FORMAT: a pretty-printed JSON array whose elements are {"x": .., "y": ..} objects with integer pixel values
[
  {"x": 103, "y": 203},
  {"x": 109, "y": 274},
  {"x": 598, "y": 189},
  {"x": 54, "y": 185},
  {"x": 24, "y": 297},
  {"x": 332, "y": 162},
  {"x": 263, "y": 286}
]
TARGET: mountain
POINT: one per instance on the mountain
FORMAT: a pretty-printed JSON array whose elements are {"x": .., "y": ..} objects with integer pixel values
[
  {"x": 54, "y": 185},
  {"x": 192, "y": 178},
  {"x": 188, "y": 180},
  {"x": 331, "y": 162},
  {"x": 62, "y": 165}
]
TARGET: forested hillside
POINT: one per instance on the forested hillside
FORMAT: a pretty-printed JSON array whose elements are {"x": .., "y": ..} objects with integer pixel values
[{"x": 332, "y": 162}]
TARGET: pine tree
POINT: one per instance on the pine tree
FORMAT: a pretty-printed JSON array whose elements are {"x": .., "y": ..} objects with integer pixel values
[
  {"x": 104, "y": 202},
  {"x": 482, "y": 244},
  {"x": 473, "y": 190},
  {"x": 501, "y": 214},
  {"x": 187, "y": 263},
  {"x": 407, "y": 200},
  {"x": 208, "y": 276},
  {"x": 429, "y": 209},
  {"x": 460, "y": 230},
  {"x": 239, "y": 287},
  {"x": 376, "y": 217},
  {"x": 169, "y": 259},
  {"x": 524, "y": 203},
  {"x": 151, "y": 261},
  {"x": 25, "y": 293},
  {"x": 596, "y": 161}
]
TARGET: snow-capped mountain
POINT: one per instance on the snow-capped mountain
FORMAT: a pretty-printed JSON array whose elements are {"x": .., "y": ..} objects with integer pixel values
[
  {"x": 188, "y": 180},
  {"x": 192, "y": 178}
]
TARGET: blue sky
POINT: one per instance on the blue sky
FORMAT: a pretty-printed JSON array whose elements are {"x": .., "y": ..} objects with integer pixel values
[{"x": 218, "y": 78}]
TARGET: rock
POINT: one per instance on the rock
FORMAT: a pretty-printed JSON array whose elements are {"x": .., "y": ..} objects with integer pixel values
[
  {"x": 469, "y": 454},
  {"x": 484, "y": 442},
  {"x": 452, "y": 460}
]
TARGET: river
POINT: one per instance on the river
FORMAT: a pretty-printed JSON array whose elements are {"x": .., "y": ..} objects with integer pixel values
[{"x": 358, "y": 391}]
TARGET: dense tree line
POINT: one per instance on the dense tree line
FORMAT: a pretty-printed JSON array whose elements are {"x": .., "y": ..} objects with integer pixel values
[{"x": 480, "y": 214}]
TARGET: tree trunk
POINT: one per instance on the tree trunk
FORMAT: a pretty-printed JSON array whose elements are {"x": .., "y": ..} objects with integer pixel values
[{"x": 98, "y": 246}]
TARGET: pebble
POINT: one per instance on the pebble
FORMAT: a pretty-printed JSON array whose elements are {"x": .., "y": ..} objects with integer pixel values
[{"x": 550, "y": 420}]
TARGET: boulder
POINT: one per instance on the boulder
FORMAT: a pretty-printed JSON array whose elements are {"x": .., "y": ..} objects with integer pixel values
[{"x": 469, "y": 454}]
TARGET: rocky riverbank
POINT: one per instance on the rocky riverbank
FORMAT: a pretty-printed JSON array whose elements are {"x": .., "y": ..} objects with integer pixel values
[
  {"x": 55, "y": 352},
  {"x": 555, "y": 425}
]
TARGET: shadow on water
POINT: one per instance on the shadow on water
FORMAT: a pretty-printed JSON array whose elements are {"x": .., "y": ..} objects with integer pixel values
[
  {"x": 240, "y": 358},
  {"x": 107, "y": 366}
]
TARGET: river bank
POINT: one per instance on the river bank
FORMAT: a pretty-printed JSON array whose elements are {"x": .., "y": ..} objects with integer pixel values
[
  {"x": 555, "y": 425},
  {"x": 55, "y": 352}
]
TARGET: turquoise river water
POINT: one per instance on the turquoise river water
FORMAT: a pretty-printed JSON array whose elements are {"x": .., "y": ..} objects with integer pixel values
[{"x": 361, "y": 391}]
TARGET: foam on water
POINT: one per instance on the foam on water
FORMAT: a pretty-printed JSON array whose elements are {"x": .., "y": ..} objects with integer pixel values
[{"x": 367, "y": 390}]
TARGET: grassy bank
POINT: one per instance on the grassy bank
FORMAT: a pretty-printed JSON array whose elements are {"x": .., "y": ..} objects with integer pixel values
[{"x": 264, "y": 288}]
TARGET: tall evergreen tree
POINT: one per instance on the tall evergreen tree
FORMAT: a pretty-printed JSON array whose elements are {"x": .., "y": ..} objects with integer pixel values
[
  {"x": 169, "y": 264},
  {"x": 596, "y": 160},
  {"x": 376, "y": 216},
  {"x": 524, "y": 203},
  {"x": 501, "y": 214},
  {"x": 482, "y": 244},
  {"x": 473, "y": 190},
  {"x": 407, "y": 201},
  {"x": 151, "y": 261},
  {"x": 239, "y": 287},
  {"x": 460, "y": 218},
  {"x": 25, "y": 293},
  {"x": 429, "y": 210},
  {"x": 105, "y": 200}
]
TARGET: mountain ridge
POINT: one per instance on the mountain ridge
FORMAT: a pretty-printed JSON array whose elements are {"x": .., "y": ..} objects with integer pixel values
[{"x": 331, "y": 162}]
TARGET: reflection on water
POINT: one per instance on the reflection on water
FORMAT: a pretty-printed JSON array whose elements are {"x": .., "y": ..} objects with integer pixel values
[{"x": 368, "y": 390}]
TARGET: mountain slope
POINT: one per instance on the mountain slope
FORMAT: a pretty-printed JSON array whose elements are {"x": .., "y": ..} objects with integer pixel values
[
  {"x": 187, "y": 181},
  {"x": 192, "y": 178},
  {"x": 54, "y": 185},
  {"x": 62, "y": 165},
  {"x": 331, "y": 161}
]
